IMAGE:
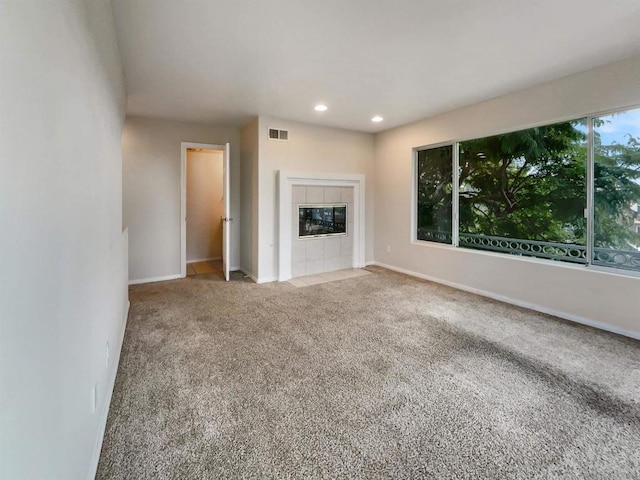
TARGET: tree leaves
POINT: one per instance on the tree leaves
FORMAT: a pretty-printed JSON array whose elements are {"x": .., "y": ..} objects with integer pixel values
[
  {"x": 531, "y": 184},
  {"x": 528, "y": 184}
]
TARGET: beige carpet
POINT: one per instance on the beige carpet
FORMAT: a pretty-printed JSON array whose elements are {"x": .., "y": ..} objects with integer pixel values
[{"x": 378, "y": 376}]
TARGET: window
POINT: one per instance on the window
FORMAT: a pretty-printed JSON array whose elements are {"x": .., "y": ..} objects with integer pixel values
[
  {"x": 434, "y": 194},
  {"x": 568, "y": 191},
  {"x": 616, "y": 193},
  {"x": 525, "y": 192}
]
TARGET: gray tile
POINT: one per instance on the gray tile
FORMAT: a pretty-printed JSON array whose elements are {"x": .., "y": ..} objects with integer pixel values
[
  {"x": 328, "y": 276},
  {"x": 346, "y": 194},
  {"x": 332, "y": 276},
  {"x": 314, "y": 249},
  {"x": 343, "y": 274},
  {"x": 332, "y": 264},
  {"x": 315, "y": 195},
  {"x": 315, "y": 280},
  {"x": 346, "y": 261},
  {"x": 332, "y": 194},
  {"x": 299, "y": 269},
  {"x": 298, "y": 251},
  {"x": 332, "y": 247},
  {"x": 294, "y": 216},
  {"x": 315, "y": 266},
  {"x": 298, "y": 282},
  {"x": 346, "y": 245},
  {"x": 298, "y": 194}
]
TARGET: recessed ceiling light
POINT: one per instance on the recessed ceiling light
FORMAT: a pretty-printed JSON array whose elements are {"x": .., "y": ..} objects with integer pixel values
[
  {"x": 320, "y": 108},
  {"x": 377, "y": 118}
]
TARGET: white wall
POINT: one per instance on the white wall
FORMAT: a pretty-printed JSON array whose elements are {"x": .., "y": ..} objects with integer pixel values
[
  {"x": 205, "y": 207},
  {"x": 62, "y": 281},
  {"x": 310, "y": 148},
  {"x": 152, "y": 156},
  {"x": 570, "y": 291},
  {"x": 249, "y": 154}
]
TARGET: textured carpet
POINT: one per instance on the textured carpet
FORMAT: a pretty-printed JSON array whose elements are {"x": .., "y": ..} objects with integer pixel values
[{"x": 379, "y": 376}]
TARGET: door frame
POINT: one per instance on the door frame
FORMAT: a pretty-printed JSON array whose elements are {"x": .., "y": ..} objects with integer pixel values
[{"x": 184, "y": 146}]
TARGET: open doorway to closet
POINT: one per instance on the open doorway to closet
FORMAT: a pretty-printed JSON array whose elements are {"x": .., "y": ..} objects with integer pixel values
[{"x": 205, "y": 209}]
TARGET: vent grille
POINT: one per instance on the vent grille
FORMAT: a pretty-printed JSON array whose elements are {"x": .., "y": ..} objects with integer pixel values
[{"x": 276, "y": 134}]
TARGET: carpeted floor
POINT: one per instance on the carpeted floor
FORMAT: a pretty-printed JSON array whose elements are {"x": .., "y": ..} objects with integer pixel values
[{"x": 379, "y": 376}]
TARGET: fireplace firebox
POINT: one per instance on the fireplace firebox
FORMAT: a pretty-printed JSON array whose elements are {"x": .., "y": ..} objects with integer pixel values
[{"x": 322, "y": 220}]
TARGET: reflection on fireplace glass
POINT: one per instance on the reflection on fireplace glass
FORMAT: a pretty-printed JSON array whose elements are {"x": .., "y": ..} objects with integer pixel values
[{"x": 317, "y": 220}]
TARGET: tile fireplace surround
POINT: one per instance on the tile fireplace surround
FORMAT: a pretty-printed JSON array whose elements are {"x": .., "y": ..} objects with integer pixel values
[
  {"x": 311, "y": 255},
  {"x": 307, "y": 256}
]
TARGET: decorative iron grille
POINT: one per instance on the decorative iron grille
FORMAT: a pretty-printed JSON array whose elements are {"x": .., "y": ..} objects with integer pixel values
[{"x": 564, "y": 252}]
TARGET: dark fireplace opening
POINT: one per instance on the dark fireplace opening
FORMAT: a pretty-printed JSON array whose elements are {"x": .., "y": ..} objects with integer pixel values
[{"x": 322, "y": 220}]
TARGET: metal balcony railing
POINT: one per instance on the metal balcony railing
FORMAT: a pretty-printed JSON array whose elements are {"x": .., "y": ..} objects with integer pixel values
[
  {"x": 554, "y": 251},
  {"x": 434, "y": 236},
  {"x": 565, "y": 252},
  {"x": 617, "y": 259}
]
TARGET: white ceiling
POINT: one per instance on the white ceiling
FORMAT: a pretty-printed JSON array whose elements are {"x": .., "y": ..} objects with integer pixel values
[{"x": 227, "y": 61}]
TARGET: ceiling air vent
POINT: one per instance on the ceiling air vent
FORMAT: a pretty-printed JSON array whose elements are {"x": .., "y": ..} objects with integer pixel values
[{"x": 275, "y": 134}]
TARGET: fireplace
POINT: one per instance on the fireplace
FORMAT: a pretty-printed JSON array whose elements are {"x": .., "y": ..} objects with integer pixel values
[
  {"x": 322, "y": 229},
  {"x": 336, "y": 199},
  {"x": 326, "y": 220}
]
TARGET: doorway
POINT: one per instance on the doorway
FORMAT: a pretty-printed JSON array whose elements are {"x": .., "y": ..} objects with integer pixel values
[{"x": 205, "y": 209}]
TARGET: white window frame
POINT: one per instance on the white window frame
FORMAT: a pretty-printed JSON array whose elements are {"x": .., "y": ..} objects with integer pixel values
[{"x": 455, "y": 226}]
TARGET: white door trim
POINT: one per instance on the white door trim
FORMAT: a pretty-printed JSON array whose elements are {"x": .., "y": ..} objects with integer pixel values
[
  {"x": 184, "y": 146},
  {"x": 286, "y": 180},
  {"x": 226, "y": 202}
]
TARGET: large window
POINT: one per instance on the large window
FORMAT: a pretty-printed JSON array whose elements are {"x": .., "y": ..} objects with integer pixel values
[
  {"x": 528, "y": 187},
  {"x": 434, "y": 194},
  {"x": 616, "y": 152},
  {"x": 567, "y": 191}
]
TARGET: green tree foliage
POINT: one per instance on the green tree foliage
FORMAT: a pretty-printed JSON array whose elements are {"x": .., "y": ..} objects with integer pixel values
[
  {"x": 528, "y": 184},
  {"x": 435, "y": 167},
  {"x": 616, "y": 187},
  {"x": 531, "y": 184}
]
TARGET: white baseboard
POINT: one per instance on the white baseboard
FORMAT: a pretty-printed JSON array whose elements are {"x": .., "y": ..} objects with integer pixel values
[
  {"x": 263, "y": 279},
  {"x": 257, "y": 279},
  {"x": 210, "y": 259},
  {"x": 154, "y": 279},
  {"x": 531, "y": 306},
  {"x": 95, "y": 457},
  {"x": 168, "y": 277},
  {"x": 246, "y": 273}
]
